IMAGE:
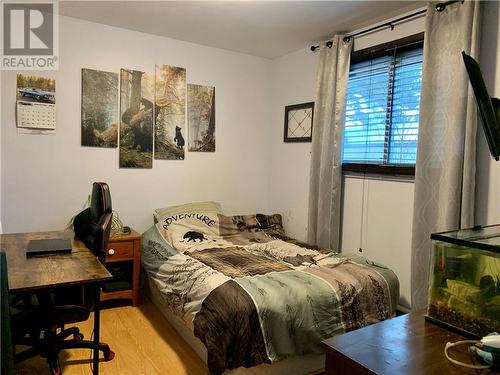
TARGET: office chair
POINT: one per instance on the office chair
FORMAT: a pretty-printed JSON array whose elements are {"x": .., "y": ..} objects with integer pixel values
[
  {"x": 86, "y": 222},
  {"x": 93, "y": 227}
]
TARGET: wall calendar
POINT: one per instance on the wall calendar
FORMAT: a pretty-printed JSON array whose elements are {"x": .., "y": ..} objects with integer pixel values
[{"x": 36, "y": 103}]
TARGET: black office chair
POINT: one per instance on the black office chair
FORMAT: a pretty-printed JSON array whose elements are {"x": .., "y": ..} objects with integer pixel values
[
  {"x": 86, "y": 222},
  {"x": 93, "y": 227}
]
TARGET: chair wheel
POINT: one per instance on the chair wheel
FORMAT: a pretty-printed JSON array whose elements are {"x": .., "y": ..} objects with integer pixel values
[{"x": 109, "y": 356}]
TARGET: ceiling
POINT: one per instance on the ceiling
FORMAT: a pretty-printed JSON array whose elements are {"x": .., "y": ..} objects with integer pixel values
[{"x": 267, "y": 29}]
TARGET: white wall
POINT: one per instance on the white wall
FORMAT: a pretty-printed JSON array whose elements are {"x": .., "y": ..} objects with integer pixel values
[
  {"x": 293, "y": 81},
  {"x": 46, "y": 179},
  {"x": 382, "y": 227}
]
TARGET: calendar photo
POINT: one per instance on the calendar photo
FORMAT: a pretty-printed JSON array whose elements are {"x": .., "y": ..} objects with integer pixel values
[{"x": 36, "y": 102}]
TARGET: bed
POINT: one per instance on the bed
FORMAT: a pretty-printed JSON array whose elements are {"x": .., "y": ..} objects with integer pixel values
[{"x": 244, "y": 295}]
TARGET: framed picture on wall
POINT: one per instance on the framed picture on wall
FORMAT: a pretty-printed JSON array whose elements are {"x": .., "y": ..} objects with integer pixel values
[{"x": 299, "y": 122}]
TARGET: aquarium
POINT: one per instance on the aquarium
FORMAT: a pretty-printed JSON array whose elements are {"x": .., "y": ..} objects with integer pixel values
[{"x": 464, "y": 285}]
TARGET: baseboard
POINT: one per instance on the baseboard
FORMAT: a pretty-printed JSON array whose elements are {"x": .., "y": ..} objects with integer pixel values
[{"x": 401, "y": 310}]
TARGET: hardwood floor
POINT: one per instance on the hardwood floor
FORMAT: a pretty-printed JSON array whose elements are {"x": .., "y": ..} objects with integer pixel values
[{"x": 144, "y": 343}]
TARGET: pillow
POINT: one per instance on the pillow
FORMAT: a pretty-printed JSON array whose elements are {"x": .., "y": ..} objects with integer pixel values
[
  {"x": 160, "y": 214},
  {"x": 271, "y": 223}
]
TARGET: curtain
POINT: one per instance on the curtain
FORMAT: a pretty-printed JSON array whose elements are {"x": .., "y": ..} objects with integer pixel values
[
  {"x": 445, "y": 169},
  {"x": 326, "y": 158}
]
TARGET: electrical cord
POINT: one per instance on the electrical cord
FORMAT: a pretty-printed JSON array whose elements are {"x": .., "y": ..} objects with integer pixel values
[{"x": 454, "y": 361}]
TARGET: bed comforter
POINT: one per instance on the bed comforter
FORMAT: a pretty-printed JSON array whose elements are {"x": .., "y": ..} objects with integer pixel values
[{"x": 253, "y": 295}]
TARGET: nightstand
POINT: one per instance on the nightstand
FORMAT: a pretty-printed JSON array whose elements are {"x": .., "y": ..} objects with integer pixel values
[{"x": 125, "y": 249}]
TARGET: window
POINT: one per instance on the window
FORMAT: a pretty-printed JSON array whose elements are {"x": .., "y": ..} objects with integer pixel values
[{"x": 382, "y": 108}]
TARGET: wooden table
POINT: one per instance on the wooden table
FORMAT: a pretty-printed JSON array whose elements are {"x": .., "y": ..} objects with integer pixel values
[
  {"x": 403, "y": 345},
  {"x": 31, "y": 274},
  {"x": 125, "y": 248}
]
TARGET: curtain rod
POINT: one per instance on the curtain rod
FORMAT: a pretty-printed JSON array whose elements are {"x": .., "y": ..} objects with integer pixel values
[{"x": 439, "y": 7}]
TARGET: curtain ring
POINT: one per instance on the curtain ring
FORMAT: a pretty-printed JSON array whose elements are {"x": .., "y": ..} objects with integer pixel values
[
  {"x": 347, "y": 39},
  {"x": 329, "y": 44},
  {"x": 440, "y": 7}
]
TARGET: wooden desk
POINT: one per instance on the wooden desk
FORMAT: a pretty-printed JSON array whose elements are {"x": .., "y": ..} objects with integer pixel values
[
  {"x": 31, "y": 274},
  {"x": 403, "y": 345}
]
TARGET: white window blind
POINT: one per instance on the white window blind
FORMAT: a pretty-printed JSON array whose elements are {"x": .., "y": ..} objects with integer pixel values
[{"x": 382, "y": 109}]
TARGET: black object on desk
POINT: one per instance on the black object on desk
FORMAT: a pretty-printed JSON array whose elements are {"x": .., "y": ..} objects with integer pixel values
[{"x": 49, "y": 246}]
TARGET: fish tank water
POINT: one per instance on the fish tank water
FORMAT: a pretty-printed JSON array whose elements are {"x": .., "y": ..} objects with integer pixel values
[{"x": 464, "y": 285}]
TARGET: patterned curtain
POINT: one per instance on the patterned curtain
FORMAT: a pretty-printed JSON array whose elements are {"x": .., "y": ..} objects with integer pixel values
[
  {"x": 326, "y": 164},
  {"x": 445, "y": 171}
]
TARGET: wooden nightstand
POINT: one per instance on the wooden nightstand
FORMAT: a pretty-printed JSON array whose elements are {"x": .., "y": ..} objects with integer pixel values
[{"x": 125, "y": 248}]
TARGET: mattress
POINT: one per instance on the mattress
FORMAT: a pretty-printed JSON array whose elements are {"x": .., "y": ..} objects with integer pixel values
[{"x": 254, "y": 296}]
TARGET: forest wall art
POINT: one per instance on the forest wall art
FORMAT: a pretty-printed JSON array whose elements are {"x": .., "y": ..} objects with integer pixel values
[
  {"x": 170, "y": 112},
  {"x": 201, "y": 118},
  {"x": 136, "y": 111},
  {"x": 145, "y": 114},
  {"x": 99, "y": 114}
]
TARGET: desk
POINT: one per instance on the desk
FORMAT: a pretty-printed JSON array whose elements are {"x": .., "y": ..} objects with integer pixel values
[
  {"x": 406, "y": 344},
  {"x": 37, "y": 273}
]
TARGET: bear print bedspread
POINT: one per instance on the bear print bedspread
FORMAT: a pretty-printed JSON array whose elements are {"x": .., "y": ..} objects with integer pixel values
[{"x": 253, "y": 295}]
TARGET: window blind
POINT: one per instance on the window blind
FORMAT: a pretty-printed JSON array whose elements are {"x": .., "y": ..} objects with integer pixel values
[{"x": 382, "y": 109}]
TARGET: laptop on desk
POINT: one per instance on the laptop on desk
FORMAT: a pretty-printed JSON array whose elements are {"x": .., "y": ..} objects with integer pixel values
[{"x": 49, "y": 246}]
